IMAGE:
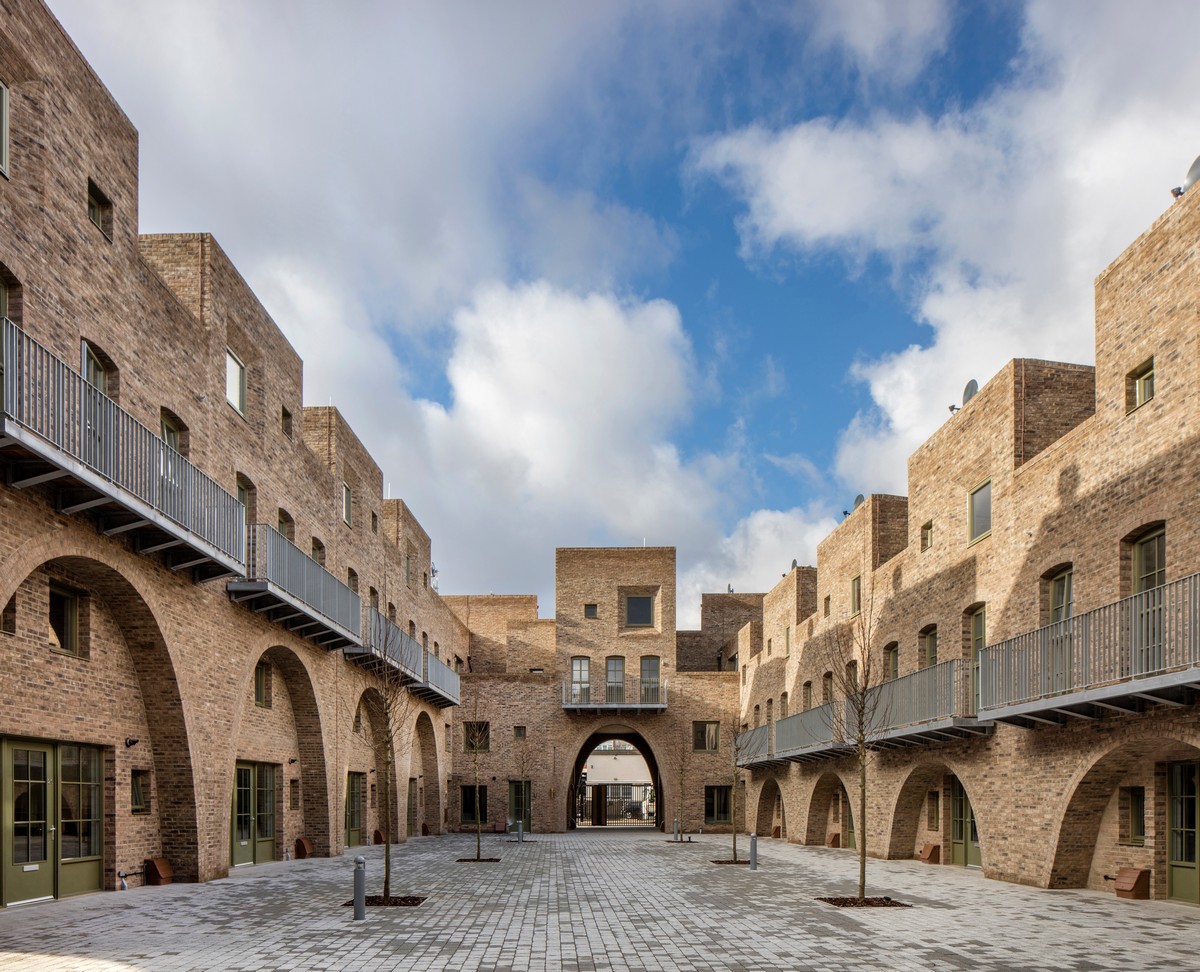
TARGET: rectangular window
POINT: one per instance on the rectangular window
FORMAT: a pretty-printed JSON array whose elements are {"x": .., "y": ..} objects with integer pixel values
[
  {"x": 1062, "y": 596},
  {"x": 1139, "y": 386},
  {"x": 933, "y": 810},
  {"x": 639, "y": 611},
  {"x": 100, "y": 209},
  {"x": 856, "y": 595},
  {"x": 374, "y": 522},
  {"x": 477, "y": 737},
  {"x": 262, "y": 684},
  {"x": 285, "y": 421},
  {"x": 929, "y": 648},
  {"x": 927, "y": 534},
  {"x": 615, "y": 681},
  {"x": 64, "y": 620},
  {"x": 3, "y": 128},
  {"x": 806, "y": 696},
  {"x": 139, "y": 791},
  {"x": 1150, "y": 562},
  {"x": 717, "y": 804},
  {"x": 347, "y": 505},
  {"x": 787, "y": 640},
  {"x": 650, "y": 673},
  {"x": 590, "y": 611},
  {"x": 470, "y": 812},
  {"x": 827, "y": 688},
  {"x": 768, "y": 647},
  {"x": 81, "y": 800},
  {"x": 518, "y": 732},
  {"x": 1131, "y": 803},
  {"x": 979, "y": 511},
  {"x": 706, "y": 737},
  {"x": 235, "y": 382},
  {"x": 891, "y": 662}
]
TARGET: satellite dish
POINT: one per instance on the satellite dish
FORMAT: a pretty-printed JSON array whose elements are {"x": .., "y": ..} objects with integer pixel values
[
  {"x": 858, "y": 500},
  {"x": 793, "y": 563},
  {"x": 1193, "y": 175},
  {"x": 970, "y": 391}
]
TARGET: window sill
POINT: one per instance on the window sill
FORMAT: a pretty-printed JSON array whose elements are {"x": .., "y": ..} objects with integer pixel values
[
  {"x": 1139, "y": 406},
  {"x": 65, "y": 653},
  {"x": 982, "y": 536}
]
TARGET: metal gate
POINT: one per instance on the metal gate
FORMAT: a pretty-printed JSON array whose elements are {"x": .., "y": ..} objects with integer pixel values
[{"x": 615, "y": 805}]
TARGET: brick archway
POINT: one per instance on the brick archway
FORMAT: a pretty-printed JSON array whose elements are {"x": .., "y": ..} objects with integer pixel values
[
  {"x": 639, "y": 742},
  {"x": 425, "y": 743},
  {"x": 828, "y": 785},
  {"x": 906, "y": 813},
  {"x": 768, "y": 794}
]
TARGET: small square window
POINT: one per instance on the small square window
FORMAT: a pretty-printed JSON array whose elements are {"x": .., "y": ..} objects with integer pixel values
[
  {"x": 590, "y": 611},
  {"x": 347, "y": 505},
  {"x": 64, "y": 620},
  {"x": 99, "y": 209},
  {"x": 706, "y": 737},
  {"x": 1139, "y": 386},
  {"x": 518, "y": 732},
  {"x": 235, "y": 382},
  {"x": 979, "y": 511},
  {"x": 139, "y": 791},
  {"x": 927, "y": 534},
  {"x": 285, "y": 421},
  {"x": 262, "y": 684},
  {"x": 477, "y": 737},
  {"x": 474, "y": 804}
]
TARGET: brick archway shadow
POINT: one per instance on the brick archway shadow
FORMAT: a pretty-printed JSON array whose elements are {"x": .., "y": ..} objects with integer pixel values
[
  {"x": 906, "y": 814},
  {"x": 372, "y": 706},
  {"x": 426, "y": 741},
  {"x": 1079, "y": 831},
  {"x": 764, "y": 823},
  {"x": 826, "y": 787}
]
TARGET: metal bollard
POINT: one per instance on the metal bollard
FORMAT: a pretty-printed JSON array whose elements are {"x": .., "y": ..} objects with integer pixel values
[
  {"x": 754, "y": 852},
  {"x": 520, "y": 831},
  {"x": 360, "y": 888},
  {"x": 677, "y": 828}
]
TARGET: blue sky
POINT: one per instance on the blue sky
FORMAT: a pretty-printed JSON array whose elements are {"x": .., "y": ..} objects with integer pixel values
[{"x": 688, "y": 272}]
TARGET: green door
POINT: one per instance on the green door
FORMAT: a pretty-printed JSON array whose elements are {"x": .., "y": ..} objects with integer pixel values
[
  {"x": 519, "y": 793},
  {"x": 355, "y": 784},
  {"x": 848, "y": 821},
  {"x": 1182, "y": 880},
  {"x": 412, "y": 807},
  {"x": 29, "y": 829},
  {"x": 243, "y": 815},
  {"x": 264, "y": 813},
  {"x": 80, "y": 819},
  {"x": 964, "y": 834}
]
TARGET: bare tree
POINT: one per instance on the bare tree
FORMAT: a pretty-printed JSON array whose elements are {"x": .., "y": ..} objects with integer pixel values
[
  {"x": 679, "y": 758},
  {"x": 736, "y": 747},
  {"x": 476, "y": 740},
  {"x": 857, "y": 674},
  {"x": 523, "y": 763}
]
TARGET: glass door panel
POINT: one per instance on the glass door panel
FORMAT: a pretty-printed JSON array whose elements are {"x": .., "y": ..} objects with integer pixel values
[
  {"x": 355, "y": 784},
  {"x": 243, "y": 815},
  {"x": 28, "y": 830},
  {"x": 264, "y": 813},
  {"x": 1182, "y": 788}
]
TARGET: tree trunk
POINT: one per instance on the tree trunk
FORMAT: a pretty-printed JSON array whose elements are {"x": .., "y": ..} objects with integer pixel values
[
  {"x": 862, "y": 817},
  {"x": 478, "y": 822},
  {"x": 387, "y": 830}
]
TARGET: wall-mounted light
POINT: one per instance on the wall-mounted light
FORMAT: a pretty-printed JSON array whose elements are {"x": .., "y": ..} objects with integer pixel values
[
  {"x": 293, "y": 761},
  {"x": 130, "y": 742}
]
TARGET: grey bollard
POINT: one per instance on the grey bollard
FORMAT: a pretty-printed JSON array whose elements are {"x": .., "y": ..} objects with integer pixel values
[
  {"x": 677, "y": 828},
  {"x": 754, "y": 852},
  {"x": 520, "y": 831},
  {"x": 360, "y": 888}
]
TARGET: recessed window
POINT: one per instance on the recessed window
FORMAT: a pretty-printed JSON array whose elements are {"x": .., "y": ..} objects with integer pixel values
[
  {"x": 757, "y": 716},
  {"x": 891, "y": 661},
  {"x": 639, "y": 611},
  {"x": 262, "y": 684},
  {"x": 787, "y": 640},
  {"x": 856, "y": 595},
  {"x": 1131, "y": 805},
  {"x": 8, "y": 618},
  {"x": 286, "y": 525},
  {"x": 1062, "y": 595},
  {"x": 64, "y": 620},
  {"x": 477, "y": 737},
  {"x": 374, "y": 522},
  {"x": 3, "y": 128},
  {"x": 98, "y": 370},
  {"x": 590, "y": 611},
  {"x": 1150, "y": 562},
  {"x": 425, "y": 578},
  {"x": 174, "y": 432},
  {"x": 580, "y": 686},
  {"x": 347, "y": 505},
  {"x": 99, "y": 208},
  {"x": 294, "y": 794},
  {"x": 927, "y": 534},
  {"x": 768, "y": 647},
  {"x": 827, "y": 687},
  {"x": 826, "y": 606},
  {"x": 928, "y": 647},
  {"x": 706, "y": 737},
  {"x": 139, "y": 791},
  {"x": 979, "y": 511},
  {"x": 718, "y": 801},
  {"x": 1139, "y": 386},
  {"x": 318, "y": 552},
  {"x": 933, "y": 810},
  {"x": 235, "y": 382},
  {"x": 352, "y": 579},
  {"x": 285, "y": 421},
  {"x": 614, "y": 685},
  {"x": 518, "y": 732},
  {"x": 474, "y": 804},
  {"x": 357, "y": 724},
  {"x": 806, "y": 696},
  {"x": 783, "y": 705}
]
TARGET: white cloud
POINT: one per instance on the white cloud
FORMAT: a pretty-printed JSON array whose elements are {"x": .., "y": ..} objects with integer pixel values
[
  {"x": 995, "y": 218},
  {"x": 884, "y": 39}
]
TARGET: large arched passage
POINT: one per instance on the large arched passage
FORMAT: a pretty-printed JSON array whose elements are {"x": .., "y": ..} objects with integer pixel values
[
  {"x": 771, "y": 819},
  {"x": 424, "y": 789},
  {"x": 653, "y": 809},
  {"x": 830, "y": 815}
]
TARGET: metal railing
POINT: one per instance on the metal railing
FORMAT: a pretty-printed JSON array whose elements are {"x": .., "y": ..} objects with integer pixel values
[
  {"x": 394, "y": 643},
  {"x": 627, "y": 692},
  {"x": 44, "y": 395},
  {"x": 941, "y": 691},
  {"x": 275, "y": 559},
  {"x": 442, "y": 677},
  {"x": 821, "y": 726},
  {"x": 754, "y": 744},
  {"x": 1150, "y": 633}
]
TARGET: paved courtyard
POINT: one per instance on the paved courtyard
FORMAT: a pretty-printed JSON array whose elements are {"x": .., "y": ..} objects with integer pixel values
[{"x": 598, "y": 901}]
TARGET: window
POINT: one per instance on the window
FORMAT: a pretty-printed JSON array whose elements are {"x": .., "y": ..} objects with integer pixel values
[
  {"x": 373, "y": 599},
  {"x": 235, "y": 382},
  {"x": 174, "y": 432},
  {"x": 706, "y": 737},
  {"x": 80, "y": 791},
  {"x": 978, "y": 632},
  {"x": 590, "y": 611},
  {"x": 1131, "y": 806},
  {"x": 477, "y": 737},
  {"x": 827, "y": 687},
  {"x": 347, "y": 505},
  {"x": 285, "y": 421},
  {"x": 357, "y": 726},
  {"x": 424, "y": 578},
  {"x": 757, "y": 716},
  {"x": 979, "y": 512},
  {"x": 717, "y": 803},
  {"x": 8, "y": 618},
  {"x": 927, "y": 534},
  {"x": 933, "y": 810},
  {"x": 373, "y": 797},
  {"x": 64, "y": 620},
  {"x": 825, "y": 610},
  {"x": 352, "y": 579},
  {"x": 856, "y": 595},
  {"x": 247, "y": 495},
  {"x": 318, "y": 551},
  {"x": 474, "y": 804},
  {"x": 615, "y": 680},
  {"x": 99, "y": 209},
  {"x": 639, "y": 611},
  {"x": 891, "y": 661},
  {"x": 787, "y": 641},
  {"x": 95, "y": 368},
  {"x": 286, "y": 525},
  {"x": 262, "y": 684},
  {"x": 1150, "y": 562},
  {"x": 852, "y": 676},
  {"x": 768, "y": 647},
  {"x": 3, "y": 129},
  {"x": 1139, "y": 386},
  {"x": 374, "y": 522},
  {"x": 650, "y": 672},
  {"x": 1062, "y": 596},
  {"x": 139, "y": 791},
  {"x": 294, "y": 794},
  {"x": 806, "y": 696},
  {"x": 783, "y": 705},
  {"x": 459, "y": 666},
  {"x": 518, "y": 732},
  {"x": 928, "y": 647}
]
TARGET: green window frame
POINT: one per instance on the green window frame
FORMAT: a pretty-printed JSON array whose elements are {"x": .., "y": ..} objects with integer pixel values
[
  {"x": 979, "y": 512},
  {"x": 639, "y": 611},
  {"x": 1150, "y": 562},
  {"x": 891, "y": 662},
  {"x": 1131, "y": 805},
  {"x": 3, "y": 128},
  {"x": 1062, "y": 596},
  {"x": 856, "y": 595},
  {"x": 929, "y": 647},
  {"x": 63, "y": 629},
  {"x": 262, "y": 684},
  {"x": 477, "y": 737},
  {"x": 706, "y": 737},
  {"x": 235, "y": 382},
  {"x": 1139, "y": 386},
  {"x": 81, "y": 802},
  {"x": 718, "y": 804},
  {"x": 139, "y": 791}
]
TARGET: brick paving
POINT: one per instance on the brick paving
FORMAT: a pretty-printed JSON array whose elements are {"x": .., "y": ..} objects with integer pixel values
[{"x": 587, "y": 902}]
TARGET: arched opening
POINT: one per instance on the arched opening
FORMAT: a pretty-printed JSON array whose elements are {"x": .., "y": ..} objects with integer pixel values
[
  {"x": 934, "y": 819},
  {"x": 604, "y": 802},
  {"x": 1115, "y": 816},
  {"x": 830, "y": 814},
  {"x": 370, "y": 758},
  {"x": 771, "y": 820},
  {"x": 424, "y": 799}
]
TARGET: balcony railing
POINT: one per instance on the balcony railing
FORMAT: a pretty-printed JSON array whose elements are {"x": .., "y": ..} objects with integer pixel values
[
  {"x": 804, "y": 737},
  {"x": 440, "y": 684},
  {"x": 59, "y": 428},
  {"x": 1144, "y": 648},
  {"x": 629, "y": 694},
  {"x": 386, "y": 643},
  {"x": 929, "y": 705},
  {"x": 290, "y": 588}
]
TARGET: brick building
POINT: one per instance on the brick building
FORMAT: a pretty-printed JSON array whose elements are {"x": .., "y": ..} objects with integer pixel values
[{"x": 208, "y": 604}]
